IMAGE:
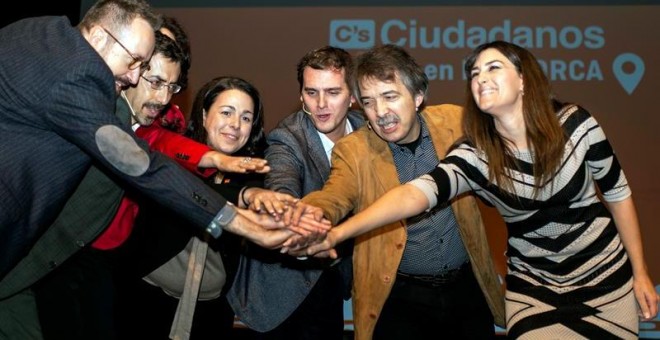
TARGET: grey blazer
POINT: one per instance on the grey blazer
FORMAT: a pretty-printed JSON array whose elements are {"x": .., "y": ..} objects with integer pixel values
[{"x": 263, "y": 294}]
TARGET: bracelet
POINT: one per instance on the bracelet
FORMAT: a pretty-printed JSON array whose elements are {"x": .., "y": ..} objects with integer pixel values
[{"x": 245, "y": 203}]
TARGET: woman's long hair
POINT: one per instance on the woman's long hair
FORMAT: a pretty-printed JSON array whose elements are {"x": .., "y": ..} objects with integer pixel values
[
  {"x": 205, "y": 97},
  {"x": 545, "y": 135}
]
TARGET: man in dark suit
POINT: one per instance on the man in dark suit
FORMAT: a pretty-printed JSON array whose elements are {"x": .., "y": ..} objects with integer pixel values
[
  {"x": 280, "y": 296},
  {"x": 75, "y": 299},
  {"x": 59, "y": 89},
  {"x": 59, "y": 86}
]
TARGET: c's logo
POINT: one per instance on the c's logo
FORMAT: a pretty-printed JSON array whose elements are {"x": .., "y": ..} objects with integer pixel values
[{"x": 352, "y": 34}]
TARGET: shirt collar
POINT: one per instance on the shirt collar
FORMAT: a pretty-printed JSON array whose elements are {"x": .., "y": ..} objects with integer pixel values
[{"x": 328, "y": 144}]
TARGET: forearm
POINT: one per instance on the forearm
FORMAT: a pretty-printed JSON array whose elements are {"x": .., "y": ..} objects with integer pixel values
[
  {"x": 286, "y": 167},
  {"x": 627, "y": 224},
  {"x": 185, "y": 151},
  {"x": 210, "y": 159},
  {"x": 397, "y": 204},
  {"x": 241, "y": 226},
  {"x": 284, "y": 177}
]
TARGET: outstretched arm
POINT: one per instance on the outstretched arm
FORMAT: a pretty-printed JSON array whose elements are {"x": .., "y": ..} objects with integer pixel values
[
  {"x": 193, "y": 155},
  {"x": 268, "y": 232},
  {"x": 625, "y": 218},
  {"x": 397, "y": 204}
]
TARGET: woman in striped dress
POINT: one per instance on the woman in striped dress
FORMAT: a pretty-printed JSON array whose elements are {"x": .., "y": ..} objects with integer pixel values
[{"x": 575, "y": 261}]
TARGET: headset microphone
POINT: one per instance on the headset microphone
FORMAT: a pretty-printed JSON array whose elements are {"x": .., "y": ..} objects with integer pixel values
[
  {"x": 305, "y": 109},
  {"x": 130, "y": 107}
]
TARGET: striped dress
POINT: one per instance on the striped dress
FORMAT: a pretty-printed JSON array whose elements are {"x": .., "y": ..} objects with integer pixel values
[{"x": 568, "y": 274}]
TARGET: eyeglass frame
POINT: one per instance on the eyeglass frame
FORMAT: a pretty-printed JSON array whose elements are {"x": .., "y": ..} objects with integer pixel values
[
  {"x": 137, "y": 62},
  {"x": 158, "y": 85}
]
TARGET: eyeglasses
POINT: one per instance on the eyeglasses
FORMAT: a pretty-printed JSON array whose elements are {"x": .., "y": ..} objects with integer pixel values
[
  {"x": 137, "y": 61},
  {"x": 159, "y": 84}
]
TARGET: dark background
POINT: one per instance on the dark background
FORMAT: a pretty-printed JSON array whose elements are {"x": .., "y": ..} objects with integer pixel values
[
  {"x": 630, "y": 120},
  {"x": 70, "y": 8}
]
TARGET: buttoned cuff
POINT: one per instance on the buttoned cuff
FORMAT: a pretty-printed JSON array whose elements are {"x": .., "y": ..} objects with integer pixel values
[{"x": 223, "y": 218}]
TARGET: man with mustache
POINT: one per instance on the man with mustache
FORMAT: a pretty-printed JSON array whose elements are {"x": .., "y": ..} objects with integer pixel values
[{"x": 431, "y": 273}]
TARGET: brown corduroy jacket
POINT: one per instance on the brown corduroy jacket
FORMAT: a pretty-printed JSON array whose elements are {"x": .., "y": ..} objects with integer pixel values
[{"x": 363, "y": 170}]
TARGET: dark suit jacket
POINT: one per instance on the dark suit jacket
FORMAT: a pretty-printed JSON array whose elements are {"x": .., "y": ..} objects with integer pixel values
[
  {"x": 265, "y": 292},
  {"x": 87, "y": 213},
  {"x": 57, "y": 101},
  {"x": 160, "y": 235}
]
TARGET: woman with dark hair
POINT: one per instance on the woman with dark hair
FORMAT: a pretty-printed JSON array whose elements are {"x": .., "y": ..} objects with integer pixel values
[
  {"x": 204, "y": 102},
  {"x": 213, "y": 113},
  {"x": 228, "y": 116},
  {"x": 576, "y": 268}
]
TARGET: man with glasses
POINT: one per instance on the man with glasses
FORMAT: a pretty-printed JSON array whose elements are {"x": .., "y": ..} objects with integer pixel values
[
  {"x": 137, "y": 62},
  {"x": 59, "y": 86},
  {"x": 74, "y": 299}
]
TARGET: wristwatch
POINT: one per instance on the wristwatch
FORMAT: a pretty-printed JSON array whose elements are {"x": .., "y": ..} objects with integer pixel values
[{"x": 224, "y": 217}]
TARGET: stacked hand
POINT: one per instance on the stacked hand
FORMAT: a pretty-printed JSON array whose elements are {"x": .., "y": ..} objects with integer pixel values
[
  {"x": 319, "y": 244},
  {"x": 268, "y": 201},
  {"x": 277, "y": 228},
  {"x": 236, "y": 164}
]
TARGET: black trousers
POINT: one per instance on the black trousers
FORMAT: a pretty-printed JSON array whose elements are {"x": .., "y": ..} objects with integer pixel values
[
  {"x": 76, "y": 300},
  {"x": 319, "y": 317},
  {"x": 454, "y": 310},
  {"x": 144, "y": 311}
]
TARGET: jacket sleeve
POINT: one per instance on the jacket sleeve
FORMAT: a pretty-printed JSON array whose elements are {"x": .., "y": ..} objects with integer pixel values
[
  {"x": 82, "y": 113},
  {"x": 283, "y": 155},
  {"x": 183, "y": 150},
  {"x": 340, "y": 194}
]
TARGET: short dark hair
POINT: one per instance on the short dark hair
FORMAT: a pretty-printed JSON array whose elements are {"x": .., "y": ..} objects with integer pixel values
[
  {"x": 326, "y": 58},
  {"x": 116, "y": 14},
  {"x": 386, "y": 63},
  {"x": 205, "y": 97},
  {"x": 181, "y": 38},
  {"x": 169, "y": 49}
]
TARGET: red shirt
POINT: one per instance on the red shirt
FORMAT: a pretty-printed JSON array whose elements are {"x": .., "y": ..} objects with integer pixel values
[{"x": 185, "y": 151}]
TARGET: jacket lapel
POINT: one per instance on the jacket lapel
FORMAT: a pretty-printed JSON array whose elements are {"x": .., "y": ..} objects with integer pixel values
[
  {"x": 316, "y": 152},
  {"x": 442, "y": 136}
]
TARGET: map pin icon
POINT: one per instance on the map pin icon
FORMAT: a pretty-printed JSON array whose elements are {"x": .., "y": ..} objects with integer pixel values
[{"x": 630, "y": 80}]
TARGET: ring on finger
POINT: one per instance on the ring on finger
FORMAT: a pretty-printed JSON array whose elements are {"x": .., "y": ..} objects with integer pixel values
[{"x": 247, "y": 160}]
